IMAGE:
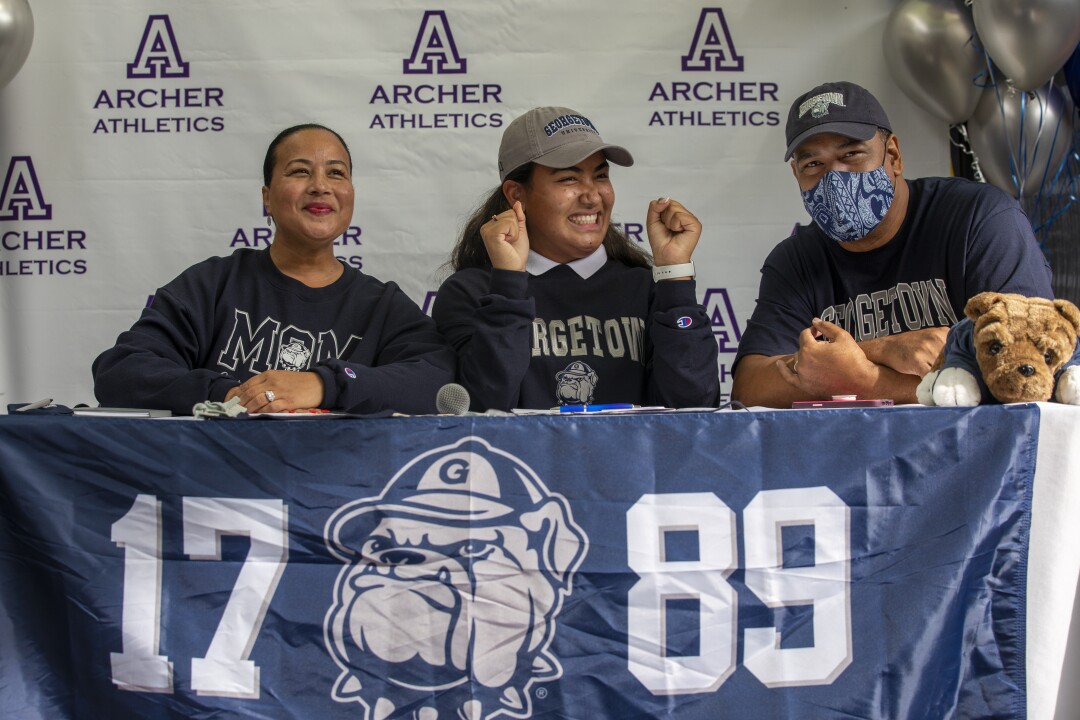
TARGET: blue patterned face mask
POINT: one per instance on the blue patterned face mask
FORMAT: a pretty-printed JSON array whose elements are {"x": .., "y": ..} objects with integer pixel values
[{"x": 848, "y": 205}]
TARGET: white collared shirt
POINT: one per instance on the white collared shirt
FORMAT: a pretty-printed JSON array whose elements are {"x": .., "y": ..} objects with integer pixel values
[{"x": 586, "y": 267}]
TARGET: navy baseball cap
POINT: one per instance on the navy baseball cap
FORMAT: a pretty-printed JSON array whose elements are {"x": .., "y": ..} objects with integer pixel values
[{"x": 835, "y": 107}]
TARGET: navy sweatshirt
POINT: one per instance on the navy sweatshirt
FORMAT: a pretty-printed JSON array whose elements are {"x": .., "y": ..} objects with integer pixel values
[
  {"x": 227, "y": 319},
  {"x": 557, "y": 338}
]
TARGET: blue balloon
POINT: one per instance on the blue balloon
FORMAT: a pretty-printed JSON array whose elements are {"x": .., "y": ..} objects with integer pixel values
[{"x": 1072, "y": 75}]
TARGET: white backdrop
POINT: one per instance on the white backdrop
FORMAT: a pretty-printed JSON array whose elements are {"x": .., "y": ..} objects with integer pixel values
[{"x": 131, "y": 141}]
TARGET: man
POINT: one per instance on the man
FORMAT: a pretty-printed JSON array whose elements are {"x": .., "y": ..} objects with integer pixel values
[{"x": 859, "y": 301}]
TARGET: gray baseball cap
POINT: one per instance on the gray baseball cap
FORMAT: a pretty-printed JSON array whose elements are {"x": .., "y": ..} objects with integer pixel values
[
  {"x": 555, "y": 137},
  {"x": 843, "y": 108}
]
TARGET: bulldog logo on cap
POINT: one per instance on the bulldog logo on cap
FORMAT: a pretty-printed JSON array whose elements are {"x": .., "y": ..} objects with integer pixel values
[
  {"x": 453, "y": 580},
  {"x": 819, "y": 104}
]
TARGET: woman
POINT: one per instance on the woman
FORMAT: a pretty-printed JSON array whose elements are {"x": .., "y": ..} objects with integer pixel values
[
  {"x": 289, "y": 327},
  {"x": 550, "y": 305}
]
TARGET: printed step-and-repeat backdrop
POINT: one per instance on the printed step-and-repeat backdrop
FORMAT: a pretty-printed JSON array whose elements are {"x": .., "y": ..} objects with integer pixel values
[{"x": 131, "y": 141}]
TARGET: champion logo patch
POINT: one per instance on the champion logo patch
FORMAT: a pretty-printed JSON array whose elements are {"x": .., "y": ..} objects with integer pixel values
[
  {"x": 350, "y": 372},
  {"x": 684, "y": 322}
]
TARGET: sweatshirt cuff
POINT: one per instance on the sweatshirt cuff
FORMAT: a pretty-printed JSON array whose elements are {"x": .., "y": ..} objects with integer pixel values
[
  {"x": 221, "y": 388},
  {"x": 675, "y": 293},
  {"x": 509, "y": 283},
  {"x": 331, "y": 392}
]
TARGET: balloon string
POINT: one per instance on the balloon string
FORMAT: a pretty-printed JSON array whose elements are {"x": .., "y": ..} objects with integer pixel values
[
  {"x": 1065, "y": 180},
  {"x": 1015, "y": 171},
  {"x": 1043, "y": 106},
  {"x": 1042, "y": 192}
]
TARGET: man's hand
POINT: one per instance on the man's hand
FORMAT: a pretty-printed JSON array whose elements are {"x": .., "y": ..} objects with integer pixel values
[
  {"x": 506, "y": 239},
  {"x": 673, "y": 232},
  {"x": 829, "y": 362},
  {"x": 909, "y": 353},
  {"x": 289, "y": 390}
]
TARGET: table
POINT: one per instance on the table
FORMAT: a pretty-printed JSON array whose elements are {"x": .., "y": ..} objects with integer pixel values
[{"x": 887, "y": 563}]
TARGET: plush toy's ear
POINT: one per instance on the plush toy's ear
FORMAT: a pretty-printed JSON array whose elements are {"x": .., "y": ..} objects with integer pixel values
[
  {"x": 1070, "y": 312},
  {"x": 979, "y": 304}
]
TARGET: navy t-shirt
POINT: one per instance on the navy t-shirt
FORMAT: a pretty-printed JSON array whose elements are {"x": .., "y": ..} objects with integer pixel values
[{"x": 959, "y": 238}]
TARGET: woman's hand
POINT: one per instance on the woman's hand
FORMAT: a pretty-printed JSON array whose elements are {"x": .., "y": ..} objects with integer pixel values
[
  {"x": 673, "y": 232},
  {"x": 506, "y": 239},
  {"x": 279, "y": 391}
]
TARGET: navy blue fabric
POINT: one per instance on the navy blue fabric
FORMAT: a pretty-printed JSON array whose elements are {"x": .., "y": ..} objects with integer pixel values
[
  {"x": 939, "y": 502},
  {"x": 959, "y": 238},
  {"x": 226, "y": 319}
]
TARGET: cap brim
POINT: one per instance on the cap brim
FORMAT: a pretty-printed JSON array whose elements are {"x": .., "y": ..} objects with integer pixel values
[
  {"x": 572, "y": 153},
  {"x": 858, "y": 131}
]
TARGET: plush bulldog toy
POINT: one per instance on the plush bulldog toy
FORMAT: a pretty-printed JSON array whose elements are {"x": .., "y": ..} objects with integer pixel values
[{"x": 1008, "y": 349}]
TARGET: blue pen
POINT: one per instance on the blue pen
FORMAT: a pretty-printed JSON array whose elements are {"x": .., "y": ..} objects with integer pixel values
[{"x": 594, "y": 408}]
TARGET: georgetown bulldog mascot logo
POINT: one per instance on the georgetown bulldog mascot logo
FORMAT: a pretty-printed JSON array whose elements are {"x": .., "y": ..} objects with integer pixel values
[
  {"x": 454, "y": 576},
  {"x": 576, "y": 384}
]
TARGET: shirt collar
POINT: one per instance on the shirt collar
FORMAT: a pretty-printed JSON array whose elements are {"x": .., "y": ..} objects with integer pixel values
[{"x": 585, "y": 267}]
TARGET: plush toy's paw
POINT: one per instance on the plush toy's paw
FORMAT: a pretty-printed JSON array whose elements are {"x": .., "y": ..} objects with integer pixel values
[
  {"x": 1068, "y": 386},
  {"x": 924, "y": 393},
  {"x": 956, "y": 386}
]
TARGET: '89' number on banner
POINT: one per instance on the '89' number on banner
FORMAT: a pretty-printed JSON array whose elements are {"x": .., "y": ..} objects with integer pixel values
[{"x": 825, "y": 585}]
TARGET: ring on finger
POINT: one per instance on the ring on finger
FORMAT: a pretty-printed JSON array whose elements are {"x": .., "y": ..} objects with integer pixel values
[
  {"x": 494, "y": 218},
  {"x": 795, "y": 366},
  {"x": 269, "y": 396}
]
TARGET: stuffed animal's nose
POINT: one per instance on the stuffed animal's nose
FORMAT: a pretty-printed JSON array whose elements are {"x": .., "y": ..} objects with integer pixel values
[{"x": 1026, "y": 370}]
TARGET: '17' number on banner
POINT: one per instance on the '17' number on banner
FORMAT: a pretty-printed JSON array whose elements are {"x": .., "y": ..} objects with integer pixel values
[{"x": 225, "y": 670}]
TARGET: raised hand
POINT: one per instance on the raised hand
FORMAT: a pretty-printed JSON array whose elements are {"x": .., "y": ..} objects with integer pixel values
[
  {"x": 673, "y": 232},
  {"x": 506, "y": 239}
]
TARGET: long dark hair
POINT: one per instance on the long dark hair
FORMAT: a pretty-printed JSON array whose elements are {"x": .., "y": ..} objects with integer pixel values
[
  {"x": 271, "y": 152},
  {"x": 470, "y": 251}
]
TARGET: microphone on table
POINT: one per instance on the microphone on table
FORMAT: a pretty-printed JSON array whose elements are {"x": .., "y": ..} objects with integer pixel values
[{"x": 453, "y": 399}]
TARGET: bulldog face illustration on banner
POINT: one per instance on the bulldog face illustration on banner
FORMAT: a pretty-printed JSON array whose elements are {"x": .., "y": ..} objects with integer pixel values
[{"x": 454, "y": 577}]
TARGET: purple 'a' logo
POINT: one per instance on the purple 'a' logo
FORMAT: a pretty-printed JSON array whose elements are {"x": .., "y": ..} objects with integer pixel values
[
  {"x": 712, "y": 48},
  {"x": 20, "y": 197},
  {"x": 434, "y": 50},
  {"x": 158, "y": 55},
  {"x": 722, "y": 319},
  {"x": 429, "y": 302}
]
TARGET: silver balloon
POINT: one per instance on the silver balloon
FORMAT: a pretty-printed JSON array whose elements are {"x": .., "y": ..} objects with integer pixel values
[
  {"x": 1026, "y": 134},
  {"x": 16, "y": 36},
  {"x": 931, "y": 57},
  {"x": 1028, "y": 39}
]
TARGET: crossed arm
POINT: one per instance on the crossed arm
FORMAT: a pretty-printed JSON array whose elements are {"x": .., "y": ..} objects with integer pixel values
[{"x": 830, "y": 362}]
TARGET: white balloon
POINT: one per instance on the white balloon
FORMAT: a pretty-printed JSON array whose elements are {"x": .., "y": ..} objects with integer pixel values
[
  {"x": 16, "y": 36},
  {"x": 929, "y": 52},
  {"x": 1032, "y": 147},
  {"x": 1029, "y": 40}
]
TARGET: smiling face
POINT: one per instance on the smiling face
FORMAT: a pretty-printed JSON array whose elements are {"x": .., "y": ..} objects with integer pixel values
[
  {"x": 567, "y": 210},
  {"x": 310, "y": 194}
]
